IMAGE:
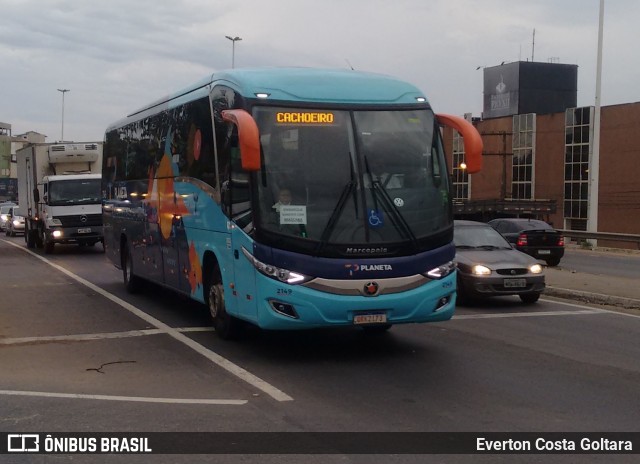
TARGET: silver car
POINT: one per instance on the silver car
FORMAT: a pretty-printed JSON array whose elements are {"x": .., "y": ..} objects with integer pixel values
[
  {"x": 489, "y": 266},
  {"x": 4, "y": 214},
  {"x": 15, "y": 222}
]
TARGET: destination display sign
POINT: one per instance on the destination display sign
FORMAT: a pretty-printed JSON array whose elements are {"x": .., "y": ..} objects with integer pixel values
[{"x": 298, "y": 117}]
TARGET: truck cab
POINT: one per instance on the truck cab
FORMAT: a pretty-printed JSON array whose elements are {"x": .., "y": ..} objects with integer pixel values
[
  {"x": 59, "y": 189},
  {"x": 71, "y": 210}
]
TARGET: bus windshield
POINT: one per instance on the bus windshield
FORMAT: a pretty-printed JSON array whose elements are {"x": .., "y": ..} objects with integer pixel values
[
  {"x": 352, "y": 177},
  {"x": 74, "y": 192}
]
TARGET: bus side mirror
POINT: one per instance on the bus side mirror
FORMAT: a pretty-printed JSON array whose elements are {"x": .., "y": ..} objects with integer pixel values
[
  {"x": 36, "y": 195},
  {"x": 248, "y": 138},
  {"x": 471, "y": 138}
]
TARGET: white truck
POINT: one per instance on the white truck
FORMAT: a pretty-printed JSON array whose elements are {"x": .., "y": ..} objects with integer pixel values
[{"x": 59, "y": 191}]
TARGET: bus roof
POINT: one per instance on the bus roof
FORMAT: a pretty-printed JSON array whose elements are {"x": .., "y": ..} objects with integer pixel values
[
  {"x": 304, "y": 85},
  {"x": 320, "y": 85}
]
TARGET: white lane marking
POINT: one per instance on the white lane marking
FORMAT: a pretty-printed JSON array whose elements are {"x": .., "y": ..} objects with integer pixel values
[
  {"x": 79, "y": 337},
  {"x": 140, "y": 399},
  {"x": 536, "y": 314},
  {"x": 576, "y": 305},
  {"x": 214, "y": 357},
  {"x": 95, "y": 336}
]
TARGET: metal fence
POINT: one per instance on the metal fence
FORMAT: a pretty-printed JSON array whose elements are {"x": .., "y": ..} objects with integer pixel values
[{"x": 579, "y": 235}]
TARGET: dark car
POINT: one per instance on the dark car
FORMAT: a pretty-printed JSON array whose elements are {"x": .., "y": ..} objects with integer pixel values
[
  {"x": 533, "y": 237},
  {"x": 489, "y": 266}
]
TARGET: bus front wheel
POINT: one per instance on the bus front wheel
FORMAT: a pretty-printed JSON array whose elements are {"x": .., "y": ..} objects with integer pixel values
[
  {"x": 131, "y": 282},
  {"x": 227, "y": 326}
]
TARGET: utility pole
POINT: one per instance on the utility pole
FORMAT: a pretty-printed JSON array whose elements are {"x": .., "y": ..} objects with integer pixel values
[
  {"x": 63, "y": 92},
  {"x": 503, "y": 154}
]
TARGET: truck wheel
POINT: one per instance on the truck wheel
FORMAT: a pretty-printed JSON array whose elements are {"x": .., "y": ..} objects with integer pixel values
[
  {"x": 227, "y": 327},
  {"x": 30, "y": 238},
  {"x": 131, "y": 282},
  {"x": 40, "y": 239},
  {"x": 48, "y": 245}
]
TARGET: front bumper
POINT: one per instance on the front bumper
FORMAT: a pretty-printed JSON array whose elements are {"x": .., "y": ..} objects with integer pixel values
[
  {"x": 495, "y": 285},
  {"x": 91, "y": 234},
  {"x": 432, "y": 302}
]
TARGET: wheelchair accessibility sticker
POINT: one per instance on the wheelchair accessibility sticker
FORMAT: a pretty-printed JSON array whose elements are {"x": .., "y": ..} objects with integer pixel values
[{"x": 375, "y": 218}]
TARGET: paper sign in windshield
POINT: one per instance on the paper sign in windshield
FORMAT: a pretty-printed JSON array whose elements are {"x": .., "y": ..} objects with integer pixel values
[{"x": 293, "y": 214}]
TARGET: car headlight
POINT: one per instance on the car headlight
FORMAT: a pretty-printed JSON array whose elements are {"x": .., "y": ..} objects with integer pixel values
[
  {"x": 442, "y": 271},
  {"x": 16, "y": 222},
  {"x": 3, "y": 217},
  {"x": 277, "y": 273},
  {"x": 535, "y": 269},
  {"x": 479, "y": 269}
]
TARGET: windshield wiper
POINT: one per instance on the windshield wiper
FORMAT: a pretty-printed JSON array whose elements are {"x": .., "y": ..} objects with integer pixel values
[
  {"x": 397, "y": 218},
  {"x": 335, "y": 214}
]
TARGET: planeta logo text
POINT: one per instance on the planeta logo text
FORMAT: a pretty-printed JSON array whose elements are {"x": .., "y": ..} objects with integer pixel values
[{"x": 367, "y": 268}]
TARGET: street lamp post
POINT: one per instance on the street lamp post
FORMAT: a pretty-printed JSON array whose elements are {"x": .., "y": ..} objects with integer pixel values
[
  {"x": 63, "y": 92},
  {"x": 233, "y": 49},
  {"x": 594, "y": 161}
]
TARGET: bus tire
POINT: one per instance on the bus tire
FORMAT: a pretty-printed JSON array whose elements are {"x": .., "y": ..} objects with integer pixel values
[
  {"x": 227, "y": 327},
  {"x": 131, "y": 282}
]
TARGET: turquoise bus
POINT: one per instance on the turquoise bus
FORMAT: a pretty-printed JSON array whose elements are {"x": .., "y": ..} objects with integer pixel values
[{"x": 289, "y": 198}]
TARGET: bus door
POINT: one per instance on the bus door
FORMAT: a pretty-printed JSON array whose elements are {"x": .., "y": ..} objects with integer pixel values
[
  {"x": 239, "y": 210},
  {"x": 172, "y": 244}
]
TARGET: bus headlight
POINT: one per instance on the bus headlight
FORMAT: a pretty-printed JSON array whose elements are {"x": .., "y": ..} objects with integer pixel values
[
  {"x": 276, "y": 273},
  {"x": 56, "y": 233},
  {"x": 442, "y": 271}
]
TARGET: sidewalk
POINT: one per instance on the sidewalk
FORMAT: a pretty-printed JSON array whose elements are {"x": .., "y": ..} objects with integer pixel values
[{"x": 623, "y": 293}]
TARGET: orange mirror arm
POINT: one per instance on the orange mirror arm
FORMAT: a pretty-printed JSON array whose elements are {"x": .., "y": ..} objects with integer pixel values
[
  {"x": 248, "y": 137},
  {"x": 471, "y": 138}
]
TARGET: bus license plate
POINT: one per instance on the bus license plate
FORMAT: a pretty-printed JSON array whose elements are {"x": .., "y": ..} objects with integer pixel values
[
  {"x": 515, "y": 283},
  {"x": 370, "y": 318},
  {"x": 84, "y": 231}
]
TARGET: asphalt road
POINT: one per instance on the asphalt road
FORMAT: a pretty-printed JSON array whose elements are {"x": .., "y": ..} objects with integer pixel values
[
  {"x": 79, "y": 354},
  {"x": 612, "y": 264}
]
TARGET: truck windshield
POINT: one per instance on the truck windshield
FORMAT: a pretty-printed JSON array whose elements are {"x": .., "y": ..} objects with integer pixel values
[
  {"x": 74, "y": 192},
  {"x": 352, "y": 177}
]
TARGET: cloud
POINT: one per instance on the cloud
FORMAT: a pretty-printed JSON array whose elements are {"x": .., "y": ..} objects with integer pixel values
[{"x": 119, "y": 55}]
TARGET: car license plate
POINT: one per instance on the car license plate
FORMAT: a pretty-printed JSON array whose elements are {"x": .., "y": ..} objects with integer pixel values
[
  {"x": 85, "y": 231},
  {"x": 515, "y": 283},
  {"x": 544, "y": 252},
  {"x": 370, "y": 318}
]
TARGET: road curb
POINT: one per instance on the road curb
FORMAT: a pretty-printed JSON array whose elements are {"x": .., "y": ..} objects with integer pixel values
[{"x": 595, "y": 298}]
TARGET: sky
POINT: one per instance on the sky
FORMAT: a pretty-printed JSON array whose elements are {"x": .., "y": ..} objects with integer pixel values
[{"x": 116, "y": 56}]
